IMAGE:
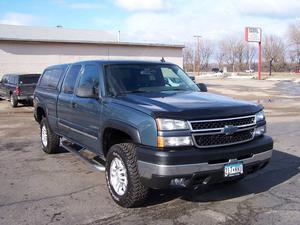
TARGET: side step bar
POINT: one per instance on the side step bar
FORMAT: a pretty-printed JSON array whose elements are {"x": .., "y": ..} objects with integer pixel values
[{"x": 88, "y": 157}]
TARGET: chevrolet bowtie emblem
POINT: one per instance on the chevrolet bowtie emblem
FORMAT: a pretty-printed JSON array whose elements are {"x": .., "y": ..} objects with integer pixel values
[{"x": 229, "y": 129}]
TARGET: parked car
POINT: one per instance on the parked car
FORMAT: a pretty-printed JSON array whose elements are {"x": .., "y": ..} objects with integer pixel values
[
  {"x": 149, "y": 133},
  {"x": 18, "y": 87},
  {"x": 215, "y": 70}
]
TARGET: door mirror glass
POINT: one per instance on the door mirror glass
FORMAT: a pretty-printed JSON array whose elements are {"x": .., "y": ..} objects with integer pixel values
[
  {"x": 87, "y": 91},
  {"x": 202, "y": 87},
  {"x": 88, "y": 86}
]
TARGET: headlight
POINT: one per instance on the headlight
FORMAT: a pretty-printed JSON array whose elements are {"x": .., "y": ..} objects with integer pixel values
[
  {"x": 174, "y": 141},
  {"x": 260, "y": 116},
  {"x": 169, "y": 124},
  {"x": 260, "y": 130}
]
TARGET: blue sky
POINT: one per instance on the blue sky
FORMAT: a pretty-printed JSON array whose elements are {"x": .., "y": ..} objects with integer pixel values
[{"x": 173, "y": 21}]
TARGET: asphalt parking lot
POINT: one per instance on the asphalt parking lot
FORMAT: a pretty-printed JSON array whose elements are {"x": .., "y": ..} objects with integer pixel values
[{"x": 36, "y": 188}]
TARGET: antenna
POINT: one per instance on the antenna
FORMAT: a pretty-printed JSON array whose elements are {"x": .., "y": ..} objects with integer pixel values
[{"x": 162, "y": 60}]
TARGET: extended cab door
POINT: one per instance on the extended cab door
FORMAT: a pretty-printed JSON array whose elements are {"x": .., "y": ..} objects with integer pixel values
[
  {"x": 86, "y": 107},
  {"x": 65, "y": 110}
]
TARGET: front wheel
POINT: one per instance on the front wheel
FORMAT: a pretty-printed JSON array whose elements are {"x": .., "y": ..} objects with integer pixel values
[
  {"x": 49, "y": 140},
  {"x": 122, "y": 176}
]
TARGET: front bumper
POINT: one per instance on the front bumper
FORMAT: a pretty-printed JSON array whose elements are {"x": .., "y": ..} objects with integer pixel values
[{"x": 158, "y": 167}]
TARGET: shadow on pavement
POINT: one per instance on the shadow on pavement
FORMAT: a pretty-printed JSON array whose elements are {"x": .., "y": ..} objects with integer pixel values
[{"x": 281, "y": 168}]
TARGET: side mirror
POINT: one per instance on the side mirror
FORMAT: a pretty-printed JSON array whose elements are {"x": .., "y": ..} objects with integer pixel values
[
  {"x": 192, "y": 78},
  {"x": 86, "y": 91},
  {"x": 202, "y": 87}
]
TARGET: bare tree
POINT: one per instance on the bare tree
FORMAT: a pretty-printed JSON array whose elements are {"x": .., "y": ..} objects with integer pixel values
[
  {"x": 239, "y": 54},
  {"x": 249, "y": 53},
  {"x": 205, "y": 53},
  {"x": 230, "y": 49},
  {"x": 188, "y": 58},
  {"x": 274, "y": 49},
  {"x": 294, "y": 43},
  {"x": 221, "y": 54}
]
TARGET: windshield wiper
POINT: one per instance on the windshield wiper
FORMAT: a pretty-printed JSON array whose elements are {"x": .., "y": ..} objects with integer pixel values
[
  {"x": 176, "y": 89},
  {"x": 130, "y": 92}
]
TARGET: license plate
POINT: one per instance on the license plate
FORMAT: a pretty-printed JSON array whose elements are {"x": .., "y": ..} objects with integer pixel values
[{"x": 233, "y": 169}]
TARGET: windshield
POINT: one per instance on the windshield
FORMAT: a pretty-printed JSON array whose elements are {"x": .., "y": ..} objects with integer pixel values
[
  {"x": 29, "y": 79},
  {"x": 130, "y": 78}
]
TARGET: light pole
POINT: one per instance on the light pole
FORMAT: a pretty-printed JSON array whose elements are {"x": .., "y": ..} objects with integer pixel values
[{"x": 197, "y": 53}]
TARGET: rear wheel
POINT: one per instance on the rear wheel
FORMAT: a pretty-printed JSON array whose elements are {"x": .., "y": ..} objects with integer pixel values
[
  {"x": 122, "y": 176},
  {"x": 49, "y": 140},
  {"x": 13, "y": 100}
]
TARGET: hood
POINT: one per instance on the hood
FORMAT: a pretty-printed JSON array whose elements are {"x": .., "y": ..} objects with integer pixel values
[{"x": 188, "y": 105}]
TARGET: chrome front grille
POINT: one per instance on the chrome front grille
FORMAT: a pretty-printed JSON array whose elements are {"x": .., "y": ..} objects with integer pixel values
[{"x": 215, "y": 133}]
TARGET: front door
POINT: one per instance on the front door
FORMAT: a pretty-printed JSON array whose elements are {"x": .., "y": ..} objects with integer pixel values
[{"x": 87, "y": 107}]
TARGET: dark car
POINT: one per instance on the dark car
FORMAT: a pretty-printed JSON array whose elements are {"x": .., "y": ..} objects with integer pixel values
[
  {"x": 18, "y": 87},
  {"x": 215, "y": 70},
  {"x": 149, "y": 125}
]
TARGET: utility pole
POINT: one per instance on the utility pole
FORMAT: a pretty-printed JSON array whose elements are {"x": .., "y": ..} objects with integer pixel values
[{"x": 197, "y": 53}]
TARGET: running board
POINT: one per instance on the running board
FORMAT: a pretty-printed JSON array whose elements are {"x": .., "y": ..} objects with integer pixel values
[{"x": 82, "y": 153}]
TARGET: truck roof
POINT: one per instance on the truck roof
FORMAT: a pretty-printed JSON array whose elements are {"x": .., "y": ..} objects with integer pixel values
[
  {"x": 22, "y": 74},
  {"x": 110, "y": 62}
]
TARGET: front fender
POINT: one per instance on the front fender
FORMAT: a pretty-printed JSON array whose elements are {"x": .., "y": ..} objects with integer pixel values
[{"x": 119, "y": 125}]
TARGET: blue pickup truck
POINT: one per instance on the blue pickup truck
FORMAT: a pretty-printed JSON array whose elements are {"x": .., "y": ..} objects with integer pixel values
[{"x": 149, "y": 125}]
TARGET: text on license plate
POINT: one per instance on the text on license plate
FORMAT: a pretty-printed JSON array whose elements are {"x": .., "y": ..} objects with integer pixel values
[{"x": 233, "y": 169}]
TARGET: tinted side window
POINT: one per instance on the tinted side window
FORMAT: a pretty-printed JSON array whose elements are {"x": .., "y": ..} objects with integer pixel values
[
  {"x": 51, "y": 78},
  {"x": 90, "y": 78},
  {"x": 70, "y": 80},
  {"x": 9, "y": 77},
  {"x": 5, "y": 79}
]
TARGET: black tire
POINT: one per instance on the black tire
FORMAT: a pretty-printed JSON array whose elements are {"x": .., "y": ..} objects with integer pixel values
[
  {"x": 30, "y": 102},
  {"x": 53, "y": 140},
  {"x": 136, "y": 193},
  {"x": 13, "y": 100}
]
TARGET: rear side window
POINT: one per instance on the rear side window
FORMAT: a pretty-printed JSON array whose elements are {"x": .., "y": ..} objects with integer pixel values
[
  {"x": 5, "y": 79},
  {"x": 11, "y": 79},
  {"x": 70, "y": 80},
  {"x": 51, "y": 78}
]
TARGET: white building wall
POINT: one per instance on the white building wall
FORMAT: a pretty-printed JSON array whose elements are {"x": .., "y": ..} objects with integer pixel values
[{"x": 34, "y": 57}]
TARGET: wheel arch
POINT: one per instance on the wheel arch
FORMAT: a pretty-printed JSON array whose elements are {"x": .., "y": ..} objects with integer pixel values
[
  {"x": 121, "y": 131},
  {"x": 40, "y": 112}
]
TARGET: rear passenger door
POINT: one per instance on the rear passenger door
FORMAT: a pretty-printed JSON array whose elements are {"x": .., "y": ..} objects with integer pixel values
[
  {"x": 65, "y": 110},
  {"x": 47, "y": 91},
  {"x": 9, "y": 86}
]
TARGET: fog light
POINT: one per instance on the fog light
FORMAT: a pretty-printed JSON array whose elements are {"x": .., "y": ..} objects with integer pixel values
[
  {"x": 260, "y": 130},
  {"x": 179, "y": 182}
]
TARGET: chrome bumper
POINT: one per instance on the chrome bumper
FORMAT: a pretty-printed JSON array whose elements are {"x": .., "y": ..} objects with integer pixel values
[{"x": 146, "y": 170}]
